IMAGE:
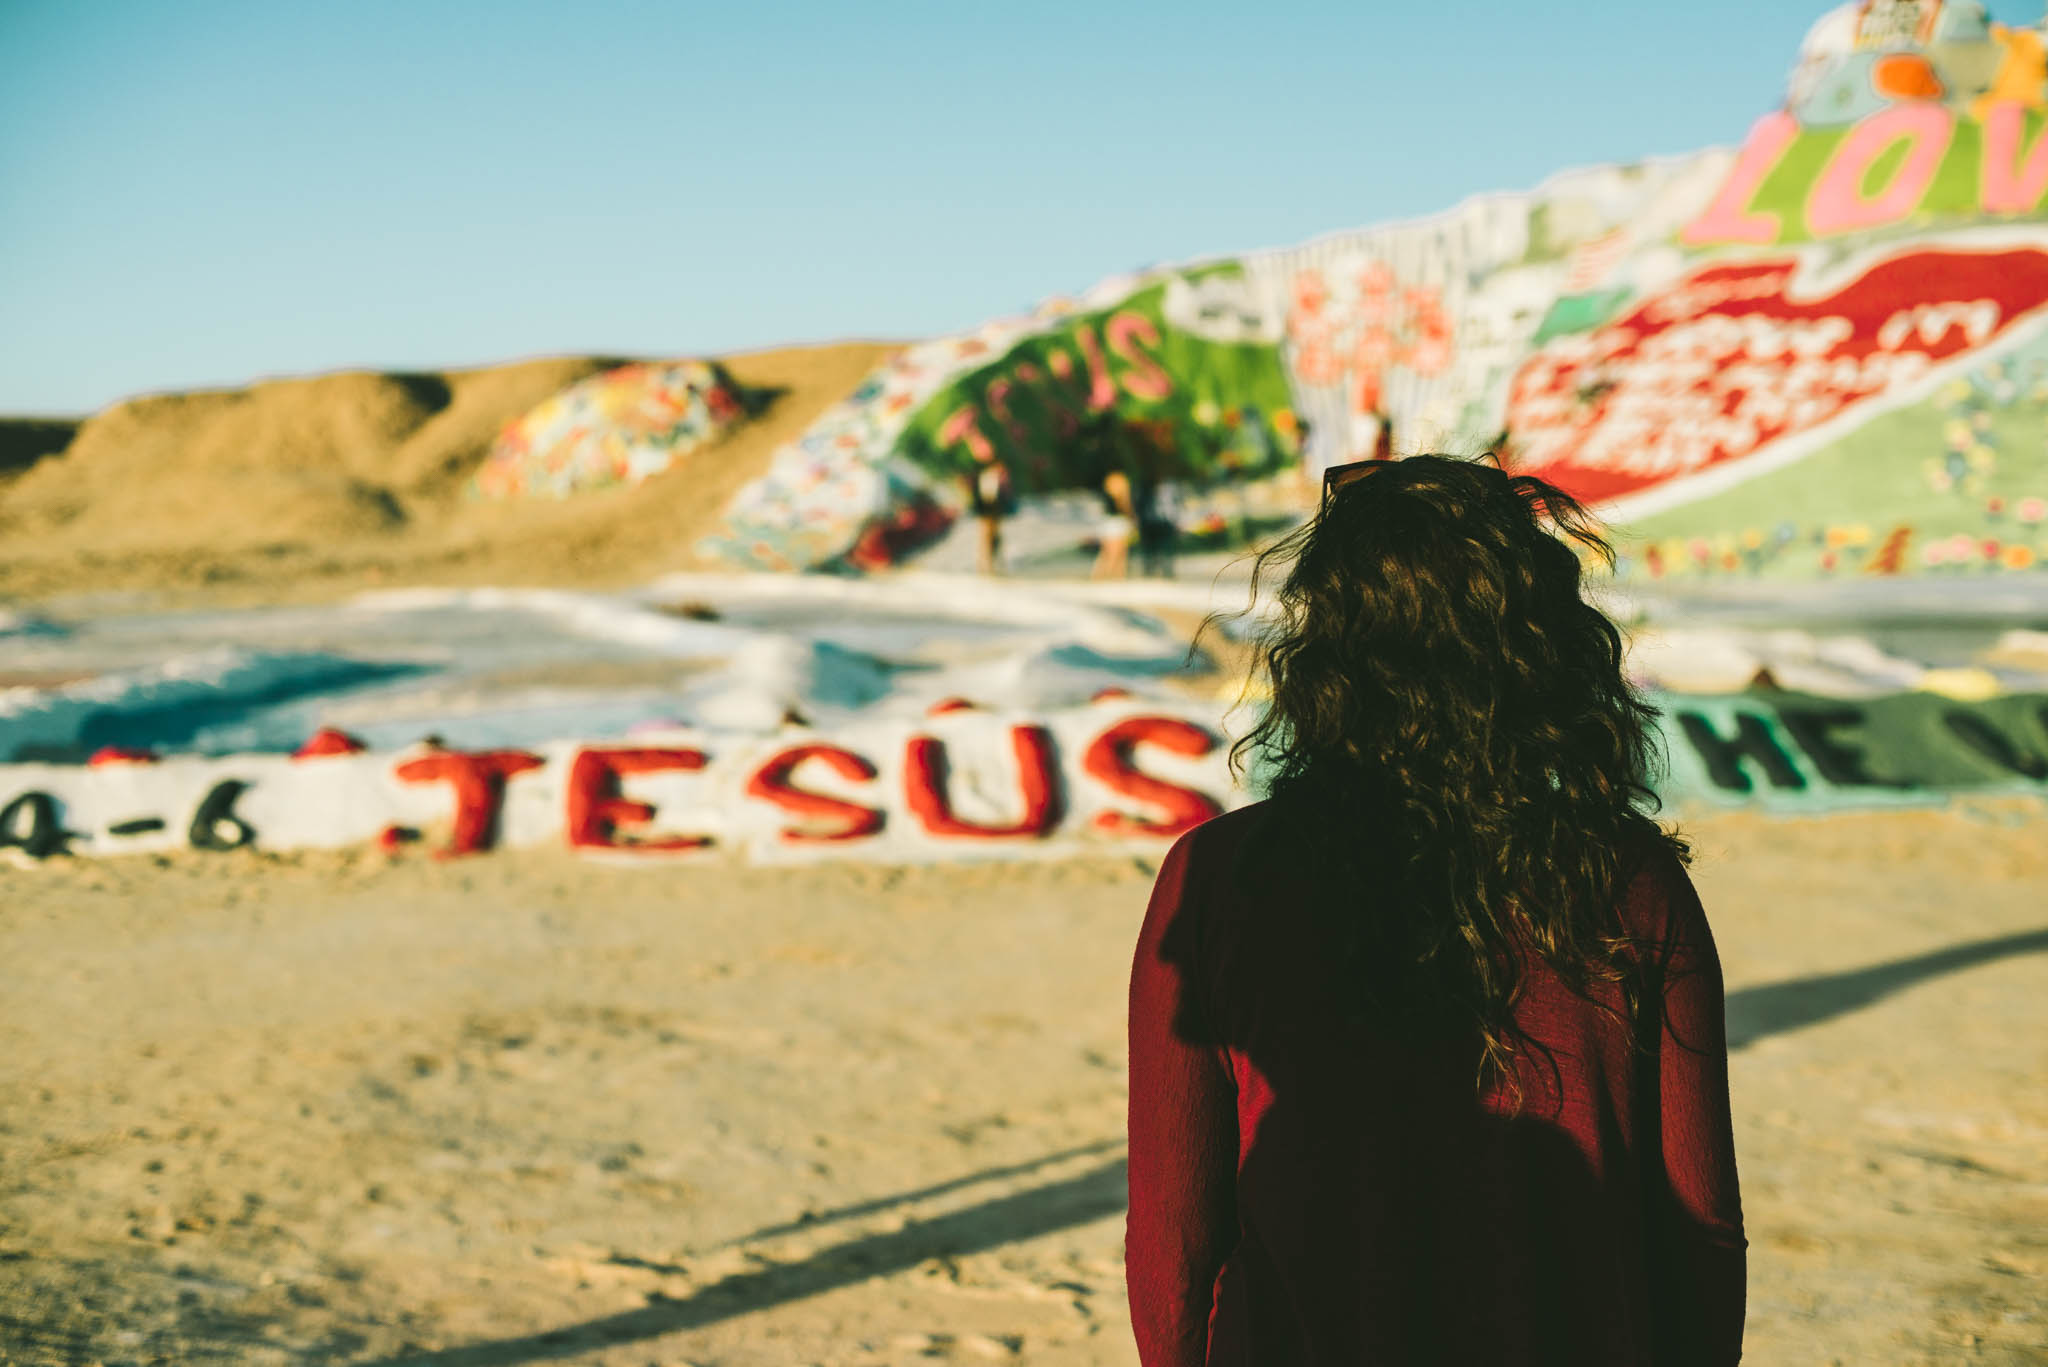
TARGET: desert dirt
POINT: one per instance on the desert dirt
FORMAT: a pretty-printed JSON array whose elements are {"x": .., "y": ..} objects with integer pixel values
[
  {"x": 330, "y": 1108},
  {"x": 310, "y": 489}
]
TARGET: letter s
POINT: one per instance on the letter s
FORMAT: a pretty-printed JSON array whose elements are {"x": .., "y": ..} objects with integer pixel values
[
  {"x": 1145, "y": 379},
  {"x": 1109, "y": 762},
  {"x": 771, "y": 783}
]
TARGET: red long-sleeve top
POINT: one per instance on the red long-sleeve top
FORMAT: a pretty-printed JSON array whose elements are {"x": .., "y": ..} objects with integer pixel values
[{"x": 1306, "y": 1189}]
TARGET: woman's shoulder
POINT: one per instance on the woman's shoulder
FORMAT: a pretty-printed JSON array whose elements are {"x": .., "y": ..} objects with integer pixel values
[
  {"x": 1241, "y": 869},
  {"x": 1216, "y": 845},
  {"x": 1232, "y": 827},
  {"x": 1658, "y": 903},
  {"x": 1204, "y": 862}
]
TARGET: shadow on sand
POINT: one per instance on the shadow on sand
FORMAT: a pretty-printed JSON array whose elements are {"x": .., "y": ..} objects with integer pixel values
[
  {"x": 1027, "y": 1214},
  {"x": 1756, "y": 1013},
  {"x": 1753, "y": 1013}
]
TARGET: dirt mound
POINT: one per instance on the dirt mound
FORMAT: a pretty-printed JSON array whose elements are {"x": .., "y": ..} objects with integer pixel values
[{"x": 304, "y": 488}]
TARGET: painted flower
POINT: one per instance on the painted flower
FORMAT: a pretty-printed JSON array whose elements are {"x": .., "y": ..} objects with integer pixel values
[
  {"x": 1358, "y": 335},
  {"x": 1310, "y": 293}
]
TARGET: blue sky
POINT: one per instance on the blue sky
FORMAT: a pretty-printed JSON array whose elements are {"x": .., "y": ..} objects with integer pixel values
[{"x": 206, "y": 193}]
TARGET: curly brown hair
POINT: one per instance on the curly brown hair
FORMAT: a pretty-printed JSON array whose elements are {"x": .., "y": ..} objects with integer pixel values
[{"x": 1452, "y": 745}]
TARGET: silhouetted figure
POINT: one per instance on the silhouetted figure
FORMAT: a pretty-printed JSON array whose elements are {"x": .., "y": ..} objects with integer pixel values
[
  {"x": 1156, "y": 506},
  {"x": 1383, "y": 437},
  {"x": 1158, "y": 529},
  {"x": 990, "y": 497},
  {"x": 1427, "y": 1051}
]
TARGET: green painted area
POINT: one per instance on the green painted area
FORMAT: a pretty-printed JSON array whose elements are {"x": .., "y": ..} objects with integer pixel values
[
  {"x": 1119, "y": 387},
  {"x": 1963, "y": 462},
  {"x": 1877, "y": 176},
  {"x": 1799, "y": 753},
  {"x": 1571, "y": 313},
  {"x": 1958, "y": 188},
  {"x": 1796, "y": 752},
  {"x": 1785, "y": 189}
]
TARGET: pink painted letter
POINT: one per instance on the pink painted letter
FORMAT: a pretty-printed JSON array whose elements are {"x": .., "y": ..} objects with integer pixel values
[
  {"x": 1838, "y": 204},
  {"x": 1728, "y": 218},
  {"x": 2008, "y": 184}
]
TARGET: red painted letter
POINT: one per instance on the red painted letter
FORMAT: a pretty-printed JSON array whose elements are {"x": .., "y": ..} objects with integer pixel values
[
  {"x": 1108, "y": 761},
  {"x": 924, "y": 785},
  {"x": 771, "y": 784},
  {"x": 1728, "y": 218},
  {"x": 329, "y": 741},
  {"x": 479, "y": 783},
  {"x": 596, "y": 810}
]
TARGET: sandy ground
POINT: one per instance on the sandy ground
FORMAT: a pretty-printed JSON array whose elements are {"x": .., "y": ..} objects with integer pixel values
[{"x": 525, "y": 1109}]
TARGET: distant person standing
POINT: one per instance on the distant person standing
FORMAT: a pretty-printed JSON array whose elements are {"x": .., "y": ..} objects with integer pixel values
[
  {"x": 991, "y": 498},
  {"x": 1158, "y": 516},
  {"x": 1118, "y": 527}
]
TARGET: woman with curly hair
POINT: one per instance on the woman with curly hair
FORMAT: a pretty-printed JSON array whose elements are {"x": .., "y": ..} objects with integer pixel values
[{"x": 1427, "y": 1054}]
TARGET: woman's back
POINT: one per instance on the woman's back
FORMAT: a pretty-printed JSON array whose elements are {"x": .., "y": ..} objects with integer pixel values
[
  {"x": 1427, "y": 1061},
  {"x": 1309, "y": 1186}
]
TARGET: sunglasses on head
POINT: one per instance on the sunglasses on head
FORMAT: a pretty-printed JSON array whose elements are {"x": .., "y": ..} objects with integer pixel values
[{"x": 1337, "y": 476}]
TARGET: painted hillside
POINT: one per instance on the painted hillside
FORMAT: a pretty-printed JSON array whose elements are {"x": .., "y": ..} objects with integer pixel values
[{"x": 1819, "y": 353}]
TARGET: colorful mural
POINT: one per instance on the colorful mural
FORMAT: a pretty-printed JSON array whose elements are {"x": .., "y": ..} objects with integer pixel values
[
  {"x": 1955, "y": 483},
  {"x": 1700, "y": 378},
  {"x": 620, "y": 427},
  {"x": 1147, "y": 381},
  {"x": 1165, "y": 373},
  {"x": 1655, "y": 337}
]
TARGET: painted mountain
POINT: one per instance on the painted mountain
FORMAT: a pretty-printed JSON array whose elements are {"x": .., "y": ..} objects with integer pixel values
[{"x": 1818, "y": 354}]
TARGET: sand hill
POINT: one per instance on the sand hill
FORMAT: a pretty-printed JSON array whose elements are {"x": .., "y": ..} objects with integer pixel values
[{"x": 317, "y": 486}]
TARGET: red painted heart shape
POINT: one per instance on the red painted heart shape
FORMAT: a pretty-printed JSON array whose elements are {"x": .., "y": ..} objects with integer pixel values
[{"x": 1730, "y": 361}]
